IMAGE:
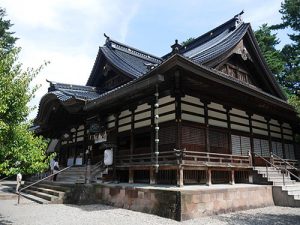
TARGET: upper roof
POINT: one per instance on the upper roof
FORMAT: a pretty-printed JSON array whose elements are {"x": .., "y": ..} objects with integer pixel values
[
  {"x": 137, "y": 64},
  {"x": 131, "y": 61}
]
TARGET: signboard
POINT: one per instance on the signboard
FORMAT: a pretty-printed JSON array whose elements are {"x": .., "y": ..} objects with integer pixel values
[{"x": 100, "y": 137}]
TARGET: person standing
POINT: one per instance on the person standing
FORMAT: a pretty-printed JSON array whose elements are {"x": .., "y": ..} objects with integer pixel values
[
  {"x": 52, "y": 162},
  {"x": 55, "y": 170},
  {"x": 19, "y": 180}
]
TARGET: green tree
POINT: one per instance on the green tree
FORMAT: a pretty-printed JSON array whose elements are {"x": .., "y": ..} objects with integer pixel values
[
  {"x": 7, "y": 40},
  {"x": 187, "y": 41},
  {"x": 290, "y": 10},
  {"x": 267, "y": 43},
  {"x": 20, "y": 149}
]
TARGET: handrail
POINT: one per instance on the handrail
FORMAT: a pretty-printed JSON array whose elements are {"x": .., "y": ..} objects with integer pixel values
[
  {"x": 5, "y": 178},
  {"x": 285, "y": 161},
  {"x": 287, "y": 171},
  {"x": 51, "y": 175},
  {"x": 217, "y": 154}
]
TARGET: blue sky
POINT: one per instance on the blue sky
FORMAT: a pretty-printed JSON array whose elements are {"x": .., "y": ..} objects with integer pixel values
[{"x": 68, "y": 33}]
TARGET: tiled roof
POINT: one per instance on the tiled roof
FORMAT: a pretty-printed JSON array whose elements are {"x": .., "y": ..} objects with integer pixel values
[
  {"x": 218, "y": 45},
  {"x": 65, "y": 92}
]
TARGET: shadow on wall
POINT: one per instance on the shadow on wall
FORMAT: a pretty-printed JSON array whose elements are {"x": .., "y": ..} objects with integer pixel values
[{"x": 261, "y": 219}]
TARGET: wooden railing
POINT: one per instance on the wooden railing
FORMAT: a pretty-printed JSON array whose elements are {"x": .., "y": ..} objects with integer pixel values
[
  {"x": 286, "y": 163},
  {"x": 146, "y": 158},
  {"x": 186, "y": 158},
  {"x": 210, "y": 159}
]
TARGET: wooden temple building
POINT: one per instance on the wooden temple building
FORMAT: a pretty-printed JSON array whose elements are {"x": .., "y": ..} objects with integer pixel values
[{"x": 201, "y": 114}]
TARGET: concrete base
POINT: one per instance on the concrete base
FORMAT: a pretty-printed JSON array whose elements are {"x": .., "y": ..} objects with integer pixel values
[
  {"x": 174, "y": 202},
  {"x": 281, "y": 198}
]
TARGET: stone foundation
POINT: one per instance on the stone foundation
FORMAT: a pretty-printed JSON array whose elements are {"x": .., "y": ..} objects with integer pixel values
[{"x": 175, "y": 203}]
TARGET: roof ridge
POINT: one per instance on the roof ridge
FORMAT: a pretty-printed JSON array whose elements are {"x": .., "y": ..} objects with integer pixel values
[
  {"x": 56, "y": 85},
  {"x": 232, "y": 23},
  {"x": 132, "y": 67},
  {"x": 131, "y": 50}
]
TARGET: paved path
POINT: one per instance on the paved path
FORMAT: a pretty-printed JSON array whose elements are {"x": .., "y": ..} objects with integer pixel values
[{"x": 30, "y": 213}]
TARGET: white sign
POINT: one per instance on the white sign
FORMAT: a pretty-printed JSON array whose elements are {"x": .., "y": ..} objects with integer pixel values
[
  {"x": 100, "y": 137},
  {"x": 108, "y": 157}
]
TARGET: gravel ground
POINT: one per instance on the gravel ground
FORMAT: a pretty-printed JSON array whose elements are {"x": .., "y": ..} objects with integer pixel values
[{"x": 30, "y": 213}]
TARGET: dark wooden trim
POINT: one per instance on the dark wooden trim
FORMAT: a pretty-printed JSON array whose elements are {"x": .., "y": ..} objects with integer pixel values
[
  {"x": 206, "y": 127},
  {"x": 269, "y": 136},
  {"x": 192, "y": 113},
  {"x": 192, "y": 104},
  {"x": 229, "y": 129}
]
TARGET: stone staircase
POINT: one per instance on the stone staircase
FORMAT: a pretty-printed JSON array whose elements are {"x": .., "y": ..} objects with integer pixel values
[
  {"x": 55, "y": 192},
  {"x": 285, "y": 193},
  {"x": 46, "y": 192},
  {"x": 73, "y": 175}
]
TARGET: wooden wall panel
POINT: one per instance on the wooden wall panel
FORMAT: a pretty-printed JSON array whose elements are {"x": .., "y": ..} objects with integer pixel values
[{"x": 192, "y": 118}]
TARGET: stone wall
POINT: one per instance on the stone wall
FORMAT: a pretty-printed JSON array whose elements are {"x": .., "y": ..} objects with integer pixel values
[
  {"x": 177, "y": 204},
  {"x": 207, "y": 202}
]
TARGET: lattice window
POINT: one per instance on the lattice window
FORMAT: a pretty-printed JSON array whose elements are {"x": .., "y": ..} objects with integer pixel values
[
  {"x": 277, "y": 148},
  {"x": 218, "y": 141},
  {"x": 193, "y": 135},
  {"x": 167, "y": 135},
  {"x": 240, "y": 145},
  {"x": 261, "y": 147},
  {"x": 289, "y": 151}
]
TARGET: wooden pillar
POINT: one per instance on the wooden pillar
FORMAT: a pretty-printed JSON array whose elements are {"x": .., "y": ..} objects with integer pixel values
[
  {"x": 152, "y": 176},
  {"x": 178, "y": 120},
  {"x": 131, "y": 174},
  {"x": 282, "y": 140},
  {"x": 251, "y": 138},
  {"x": 75, "y": 145},
  {"x": 206, "y": 125},
  {"x": 115, "y": 148},
  {"x": 232, "y": 178},
  {"x": 132, "y": 109},
  {"x": 180, "y": 177},
  {"x": 152, "y": 132},
  {"x": 269, "y": 138},
  {"x": 208, "y": 177},
  {"x": 85, "y": 142},
  {"x": 229, "y": 127}
]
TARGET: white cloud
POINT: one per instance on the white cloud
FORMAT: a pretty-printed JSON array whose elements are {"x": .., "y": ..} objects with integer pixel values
[
  {"x": 67, "y": 33},
  {"x": 267, "y": 13}
]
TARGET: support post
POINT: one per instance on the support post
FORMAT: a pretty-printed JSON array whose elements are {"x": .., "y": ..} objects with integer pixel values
[
  {"x": 180, "y": 177},
  {"x": 232, "y": 179},
  {"x": 131, "y": 173},
  {"x": 208, "y": 177},
  {"x": 152, "y": 176}
]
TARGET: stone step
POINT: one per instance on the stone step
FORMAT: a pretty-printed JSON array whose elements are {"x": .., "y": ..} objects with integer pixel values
[
  {"x": 281, "y": 183},
  {"x": 50, "y": 185},
  {"x": 275, "y": 179},
  {"x": 294, "y": 192},
  {"x": 48, "y": 191},
  {"x": 297, "y": 198},
  {"x": 33, "y": 198},
  {"x": 292, "y": 187},
  {"x": 42, "y": 195}
]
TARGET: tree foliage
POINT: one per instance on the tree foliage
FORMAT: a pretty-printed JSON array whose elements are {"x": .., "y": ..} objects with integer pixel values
[
  {"x": 267, "y": 43},
  {"x": 289, "y": 76},
  {"x": 20, "y": 149},
  {"x": 187, "y": 41}
]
